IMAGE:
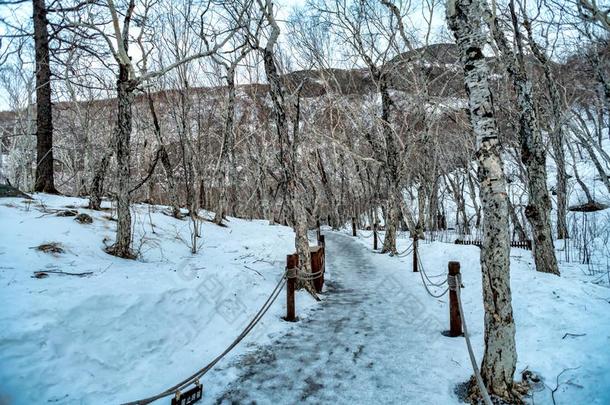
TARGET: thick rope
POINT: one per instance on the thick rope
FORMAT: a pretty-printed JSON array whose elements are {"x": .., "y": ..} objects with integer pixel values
[
  {"x": 421, "y": 271},
  {"x": 309, "y": 276},
  {"x": 361, "y": 233},
  {"x": 196, "y": 376},
  {"x": 405, "y": 252},
  {"x": 421, "y": 268},
  {"x": 455, "y": 283}
]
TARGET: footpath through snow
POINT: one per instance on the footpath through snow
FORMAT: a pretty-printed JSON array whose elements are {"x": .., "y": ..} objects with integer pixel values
[
  {"x": 375, "y": 339},
  {"x": 134, "y": 328},
  {"x": 371, "y": 341}
]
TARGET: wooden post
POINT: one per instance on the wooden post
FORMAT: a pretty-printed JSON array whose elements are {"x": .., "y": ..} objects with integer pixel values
[
  {"x": 415, "y": 260},
  {"x": 292, "y": 263},
  {"x": 317, "y": 261},
  {"x": 323, "y": 244},
  {"x": 455, "y": 320},
  {"x": 353, "y": 226},
  {"x": 375, "y": 236}
]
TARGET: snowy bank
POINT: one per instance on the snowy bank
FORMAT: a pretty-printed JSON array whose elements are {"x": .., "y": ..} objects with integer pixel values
[
  {"x": 562, "y": 323},
  {"x": 130, "y": 328}
]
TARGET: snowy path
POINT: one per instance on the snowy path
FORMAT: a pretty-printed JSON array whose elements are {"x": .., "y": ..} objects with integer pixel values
[
  {"x": 136, "y": 327},
  {"x": 362, "y": 344}
]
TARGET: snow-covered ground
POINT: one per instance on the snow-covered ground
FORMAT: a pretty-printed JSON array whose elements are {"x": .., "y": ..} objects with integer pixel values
[
  {"x": 563, "y": 328},
  {"x": 134, "y": 328}
]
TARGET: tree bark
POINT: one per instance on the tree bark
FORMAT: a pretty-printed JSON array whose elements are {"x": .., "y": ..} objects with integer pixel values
[
  {"x": 226, "y": 165},
  {"x": 328, "y": 191},
  {"x": 556, "y": 136},
  {"x": 582, "y": 184},
  {"x": 533, "y": 155},
  {"x": 125, "y": 97},
  {"x": 288, "y": 149},
  {"x": 391, "y": 224},
  {"x": 390, "y": 164},
  {"x": 514, "y": 218},
  {"x": 499, "y": 361},
  {"x": 165, "y": 161},
  {"x": 44, "y": 112},
  {"x": 473, "y": 198},
  {"x": 97, "y": 184}
]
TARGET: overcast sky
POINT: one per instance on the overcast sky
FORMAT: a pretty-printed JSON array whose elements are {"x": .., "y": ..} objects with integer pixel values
[{"x": 284, "y": 7}]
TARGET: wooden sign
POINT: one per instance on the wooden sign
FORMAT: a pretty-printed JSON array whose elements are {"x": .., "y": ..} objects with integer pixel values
[{"x": 189, "y": 397}]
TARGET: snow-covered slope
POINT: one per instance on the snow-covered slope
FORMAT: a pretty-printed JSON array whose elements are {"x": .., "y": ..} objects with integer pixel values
[
  {"x": 131, "y": 328},
  {"x": 563, "y": 328}
]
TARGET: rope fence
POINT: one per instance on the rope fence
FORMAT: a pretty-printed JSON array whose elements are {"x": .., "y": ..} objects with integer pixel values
[
  {"x": 302, "y": 275},
  {"x": 405, "y": 252},
  {"x": 452, "y": 284},
  {"x": 455, "y": 284},
  {"x": 422, "y": 273},
  {"x": 364, "y": 235},
  {"x": 194, "y": 378},
  {"x": 425, "y": 274},
  {"x": 458, "y": 324}
]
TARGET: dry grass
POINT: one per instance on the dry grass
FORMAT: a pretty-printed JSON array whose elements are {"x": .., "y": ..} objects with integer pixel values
[
  {"x": 67, "y": 213},
  {"x": 53, "y": 248},
  {"x": 84, "y": 218}
]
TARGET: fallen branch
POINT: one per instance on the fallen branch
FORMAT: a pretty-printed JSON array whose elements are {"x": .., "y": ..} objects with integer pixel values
[
  {"x": 573, "y": 335},
  {"x": 44, "y": 274},
  {"x": 256, "y": 271},
  {"x": 557, "y": 384}
]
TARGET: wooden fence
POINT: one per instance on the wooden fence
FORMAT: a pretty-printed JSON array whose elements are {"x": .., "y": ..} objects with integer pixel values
[{"x": 523, "y": 244}]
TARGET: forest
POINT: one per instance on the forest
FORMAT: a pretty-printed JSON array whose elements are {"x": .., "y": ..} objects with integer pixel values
[{"x": 409, "y": 172}]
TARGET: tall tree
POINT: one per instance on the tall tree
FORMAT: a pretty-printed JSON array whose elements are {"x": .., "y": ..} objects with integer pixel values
[
  {"x": 288, "y": 143},
  {"x": 533, "y": 153},
  {"x": 498, "y": 367},
  {"x": 44, "y": 112},
  {"x": 557, "y": 132},
  {"x": 225, "y": 166},
  {"x": 128, "y": 80}
]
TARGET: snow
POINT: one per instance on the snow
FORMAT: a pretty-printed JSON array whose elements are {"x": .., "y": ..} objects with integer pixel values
[
  {"x": 546, "y": 308},
  {"x": 134, "y": 328}
]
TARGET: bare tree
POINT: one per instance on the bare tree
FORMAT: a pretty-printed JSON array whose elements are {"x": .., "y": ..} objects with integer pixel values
[
  {"x": 225, "y": 166},
  {"x": 533, "y": 154},
  {"x": 44, "y": 113},
  {"x": 465, "y": 19},
  {"x": 128, "y": 80}
]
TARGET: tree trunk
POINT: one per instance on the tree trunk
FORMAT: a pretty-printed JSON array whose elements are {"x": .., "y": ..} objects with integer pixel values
[
  {"x": 226, "y": 164},
  {"x": 421, "y": 208},
  {"x": 44, "y": 113},
  {"x": 432, "y": 207},
  {"x": 586, "y": 143},
  {"x": 328, "y": 191},
  {"x": 582, "y": 184},
  {"x": 557, "y": 140},
  {"x": 473, "y": 198},
  {"x": 125, "y": 97},
  {"x": 288, "y": 150},
  {"x": 165, "y": 161},
  {"x": 500, "y": 358},
  {"x": 97, "y": 184},
  {"x": 391, "y": 166},
  {"x": 514, "y": 218},
  {"x": 391, "y": 223},
  {"x": 533, "y": 155}
]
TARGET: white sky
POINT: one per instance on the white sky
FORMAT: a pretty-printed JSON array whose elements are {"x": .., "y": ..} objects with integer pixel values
[{"x": 284, "y": 7}]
